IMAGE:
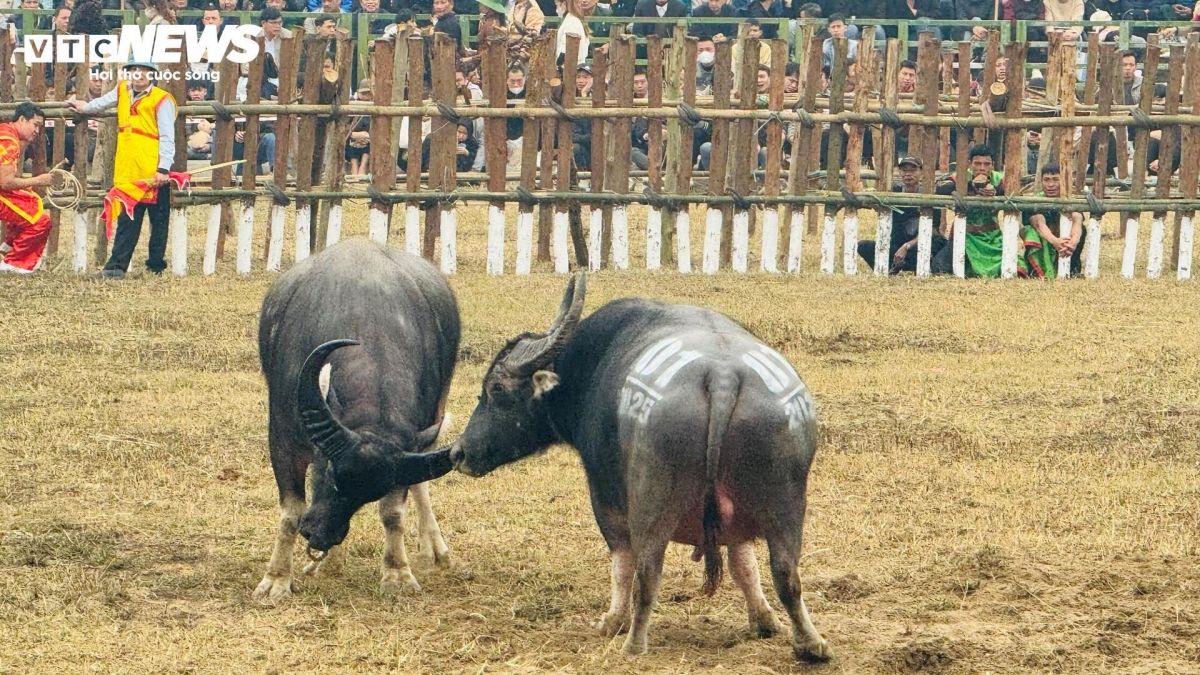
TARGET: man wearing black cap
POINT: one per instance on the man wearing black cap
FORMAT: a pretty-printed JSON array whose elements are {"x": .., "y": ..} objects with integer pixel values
[{"x": 904, "y": 224}]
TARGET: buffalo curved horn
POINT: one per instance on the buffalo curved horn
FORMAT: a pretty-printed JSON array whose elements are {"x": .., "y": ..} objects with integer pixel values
[
  {"x": 531, "y": 355},
  {"x": 327, "y": 435}
]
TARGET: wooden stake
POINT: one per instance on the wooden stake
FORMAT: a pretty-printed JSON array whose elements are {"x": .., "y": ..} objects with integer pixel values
[
  {"x": 385, "y": 133},
  {"x": 1141, "y": 148},
  {"x": 495, "y": 152},
  {"x": 1014, "y": 157}
]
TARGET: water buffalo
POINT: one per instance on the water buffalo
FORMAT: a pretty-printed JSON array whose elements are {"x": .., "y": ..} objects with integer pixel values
[
  {"x": 690, "y": 430},
  {"x": 368, "y": 411}
]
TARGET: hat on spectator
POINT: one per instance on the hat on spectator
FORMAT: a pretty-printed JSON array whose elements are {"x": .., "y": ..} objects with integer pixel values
[
  {"x": 364, "y": 84},
  {"x": 494, "y": 5},
  {"x": 910, "y": 160},
  {"x": 140, "y": 64},
  {"x": 1099, "y": 15},
  {"x": 587, "y": 68}
]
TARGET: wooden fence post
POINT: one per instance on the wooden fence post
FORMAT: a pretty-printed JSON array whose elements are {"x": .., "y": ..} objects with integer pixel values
[
  {"x": 769, "y": 261},
  {"x": 250, "y": 142},
  {"x": 443, "y": 146},
  {"x": 654, "y": 143},
  {"x": 289, "y": 69},
  {"x": 84, "y": 218},
  {"x": 306, "y": 128},
  {"x": 1189, "y": 170},
  {"x": 616, "y": 178},
  {"x": 1106, "y": 69},
  {"x": 218, "y": 214},
  {"x": 1166, "y": 159},
  {"x": 718, "y": 158},
  {"x": 1141, "y": 148},
  {"x": 1014, "y": 157},
  {"x": 681, "y": 83},
  {"x": 833, "y": 161},
  {"x": 927, "y": 96},
  {"x": 416, "y": 97},
  {"x": 331, "y": 136},
  {"x": 601, "y": 219},
  {"x": 495, "y": 137},
  {"x": 536, "y": 95},
  {"x": 562, "y": 264}
]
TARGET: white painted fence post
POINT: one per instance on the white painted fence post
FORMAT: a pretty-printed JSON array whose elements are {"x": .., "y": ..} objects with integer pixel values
[
  {"x": 770, "y": 240},
  {"x": 1131, "y": 245},
  {"x": 1187, "y": 232},
  {"x": 883, "y": 243},
  {"x": 850, "y": 242},
  {"x": 1008, "y": 250},
  {"x": 795, "y": 239},
  {"x": 178, "y": 226},
  {"x": 212, "y": 235},
  {"x": 495, "y": 240},
  {"x": 683, "y": 240}
]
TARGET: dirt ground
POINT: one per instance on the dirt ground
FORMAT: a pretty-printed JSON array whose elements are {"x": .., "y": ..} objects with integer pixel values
[{"x": 1008, "y": 482}]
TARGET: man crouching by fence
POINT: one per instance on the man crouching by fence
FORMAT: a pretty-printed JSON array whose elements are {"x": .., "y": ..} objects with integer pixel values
[
  {"x": 26, "y": 225},
  {"x": 142, "y": 168}
]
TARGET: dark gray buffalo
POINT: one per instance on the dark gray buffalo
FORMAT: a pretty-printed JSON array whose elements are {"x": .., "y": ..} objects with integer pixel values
[
  {"x": 367, "y": 413},
  {"x": 690, "y": 430}
]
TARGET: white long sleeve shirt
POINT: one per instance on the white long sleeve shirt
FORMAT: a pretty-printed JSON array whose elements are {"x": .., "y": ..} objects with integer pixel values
[{"x": 165, "y": 118}]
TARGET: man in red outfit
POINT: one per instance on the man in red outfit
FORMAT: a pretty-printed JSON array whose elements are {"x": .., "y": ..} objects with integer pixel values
[{"x": 26, "y": 224}]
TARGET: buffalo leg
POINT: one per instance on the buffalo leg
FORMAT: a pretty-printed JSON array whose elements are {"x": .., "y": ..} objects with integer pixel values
[
  {"x": 784, "y": 545},
  {"x": 743, "y": 567},
  {"x": 290, "y": 467},
  {"x": 430, "y": 542},
  {"x": 646, "y": 577},
  {"x": 617, "y": 617},
  {"x": 397, "y": 574}
]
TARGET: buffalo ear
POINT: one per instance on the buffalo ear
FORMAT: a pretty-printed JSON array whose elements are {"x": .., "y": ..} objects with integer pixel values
[{"x": 543, "y": 382}]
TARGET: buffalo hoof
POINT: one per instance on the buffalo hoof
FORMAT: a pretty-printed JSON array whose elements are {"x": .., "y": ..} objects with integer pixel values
[
  {"x": 634, "y": 646},
  {"x": 436, "y": 556},
  {"x": 611, "y": 625},
  {"x": 398, "y": 582},
  {"x": 273, "y": 589},
  {"x": 813, "y": 651},
  {"x": 765, "y": 626}
]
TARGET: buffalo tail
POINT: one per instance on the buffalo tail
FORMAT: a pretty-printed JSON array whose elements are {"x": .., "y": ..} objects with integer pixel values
[{"x": 723, "y": 388}]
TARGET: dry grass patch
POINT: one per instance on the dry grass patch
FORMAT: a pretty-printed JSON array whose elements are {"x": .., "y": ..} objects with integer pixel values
[{"x": 1008, "y": 482}]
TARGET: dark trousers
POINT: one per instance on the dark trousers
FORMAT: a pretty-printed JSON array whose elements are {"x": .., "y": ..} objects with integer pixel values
[
  {"x": 130, "y": 229},
  {"x": 866, "y": 251}
]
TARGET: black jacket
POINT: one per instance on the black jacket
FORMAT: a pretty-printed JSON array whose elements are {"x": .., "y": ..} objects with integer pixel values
[
  {"x": 647, "y": 8},
  {"x": 705, "y": 31}
]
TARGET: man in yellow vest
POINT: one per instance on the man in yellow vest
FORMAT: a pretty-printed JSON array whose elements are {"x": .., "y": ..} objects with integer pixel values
[{"x": 142, "y": 169}]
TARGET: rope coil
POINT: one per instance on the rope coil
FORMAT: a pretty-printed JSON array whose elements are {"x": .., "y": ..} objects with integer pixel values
[
  {"x": 739, "y": 202},
  {"x": 657, "y": 201},
  {"x": 1095, "y": 205},
  {"x": 448, "y": 113},
  {"x": 1143, "y": 121},
  {"x": 562, "y": 112},
  {"x": 526, "y": 198},
  {"x": 690, "y": 115},
  {"x": 960, "y": 204},
  {"x": 381, "y": 197},
  {"x": 277, "y": 195},
  {"x": 222, "y": 113},
  {"x": 890, "y": 118},
  {"x": 66, "y": 191},
  {"x": 852, "y": 199}
]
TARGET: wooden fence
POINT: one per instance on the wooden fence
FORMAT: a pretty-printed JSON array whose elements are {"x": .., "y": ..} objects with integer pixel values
[{"x": 782, "y": 199}]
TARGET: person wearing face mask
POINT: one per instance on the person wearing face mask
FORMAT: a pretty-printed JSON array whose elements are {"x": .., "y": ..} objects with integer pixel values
[
  {"x": 656, "y": 9},
  {"x": 515, "y": 126},
  {"x": 706, "y": 56}
]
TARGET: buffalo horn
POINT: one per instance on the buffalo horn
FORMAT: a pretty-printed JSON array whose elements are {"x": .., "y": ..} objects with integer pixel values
[
  {"x": 532, "y": 355},
  {"x": 328, "y": 435}
]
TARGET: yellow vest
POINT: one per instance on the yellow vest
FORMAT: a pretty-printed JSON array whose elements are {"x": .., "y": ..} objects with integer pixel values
[{"x": 137, "y": 140}]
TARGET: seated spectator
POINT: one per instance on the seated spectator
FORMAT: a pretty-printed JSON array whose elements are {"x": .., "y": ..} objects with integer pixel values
[
  {"x": 525, "y": 19},
  {"x": 837, "y": 29},
  {"x": 753, "y": 31},
  {"x": 656, "y": 9},
  {"x": 639, "y": 129},
  {"x": 515, "y": 126},
  {"x": 358, "y": 143},
  {"x": 712, "y": 9},
  {"x": 791, "y": 78},
  {"x": 266, "y": 147},
  {"x": 1131, "y": 79},
  {"x": 766, "y": 10},
  {"x": 903, "y": 246},
  {"x": 324, "y": 26},
  {"x": 325, "y": 6},
  {"x": 907, "y": 77},
  {"x": 271, "y": 21},
  {"x": 984, "y": 239},
  {"x": 229, "y": 10},
  {"x": 1043, "y": 247},
  {"x": 919, "y": 11},
  {"x": 403, "y": 19},
  {"x": 464, "y": 153},
  {"x": 975, "y": 10},
  {"x": 211, "y": 17},
  {"x": 445, "y": 21},
  {"x": 377, "y": 21}
]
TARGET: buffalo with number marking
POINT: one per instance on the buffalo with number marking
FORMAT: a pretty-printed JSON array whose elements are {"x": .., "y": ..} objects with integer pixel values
[
  {"x": 362, "y": 419},
  {"x": 690, "y": 430}
]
